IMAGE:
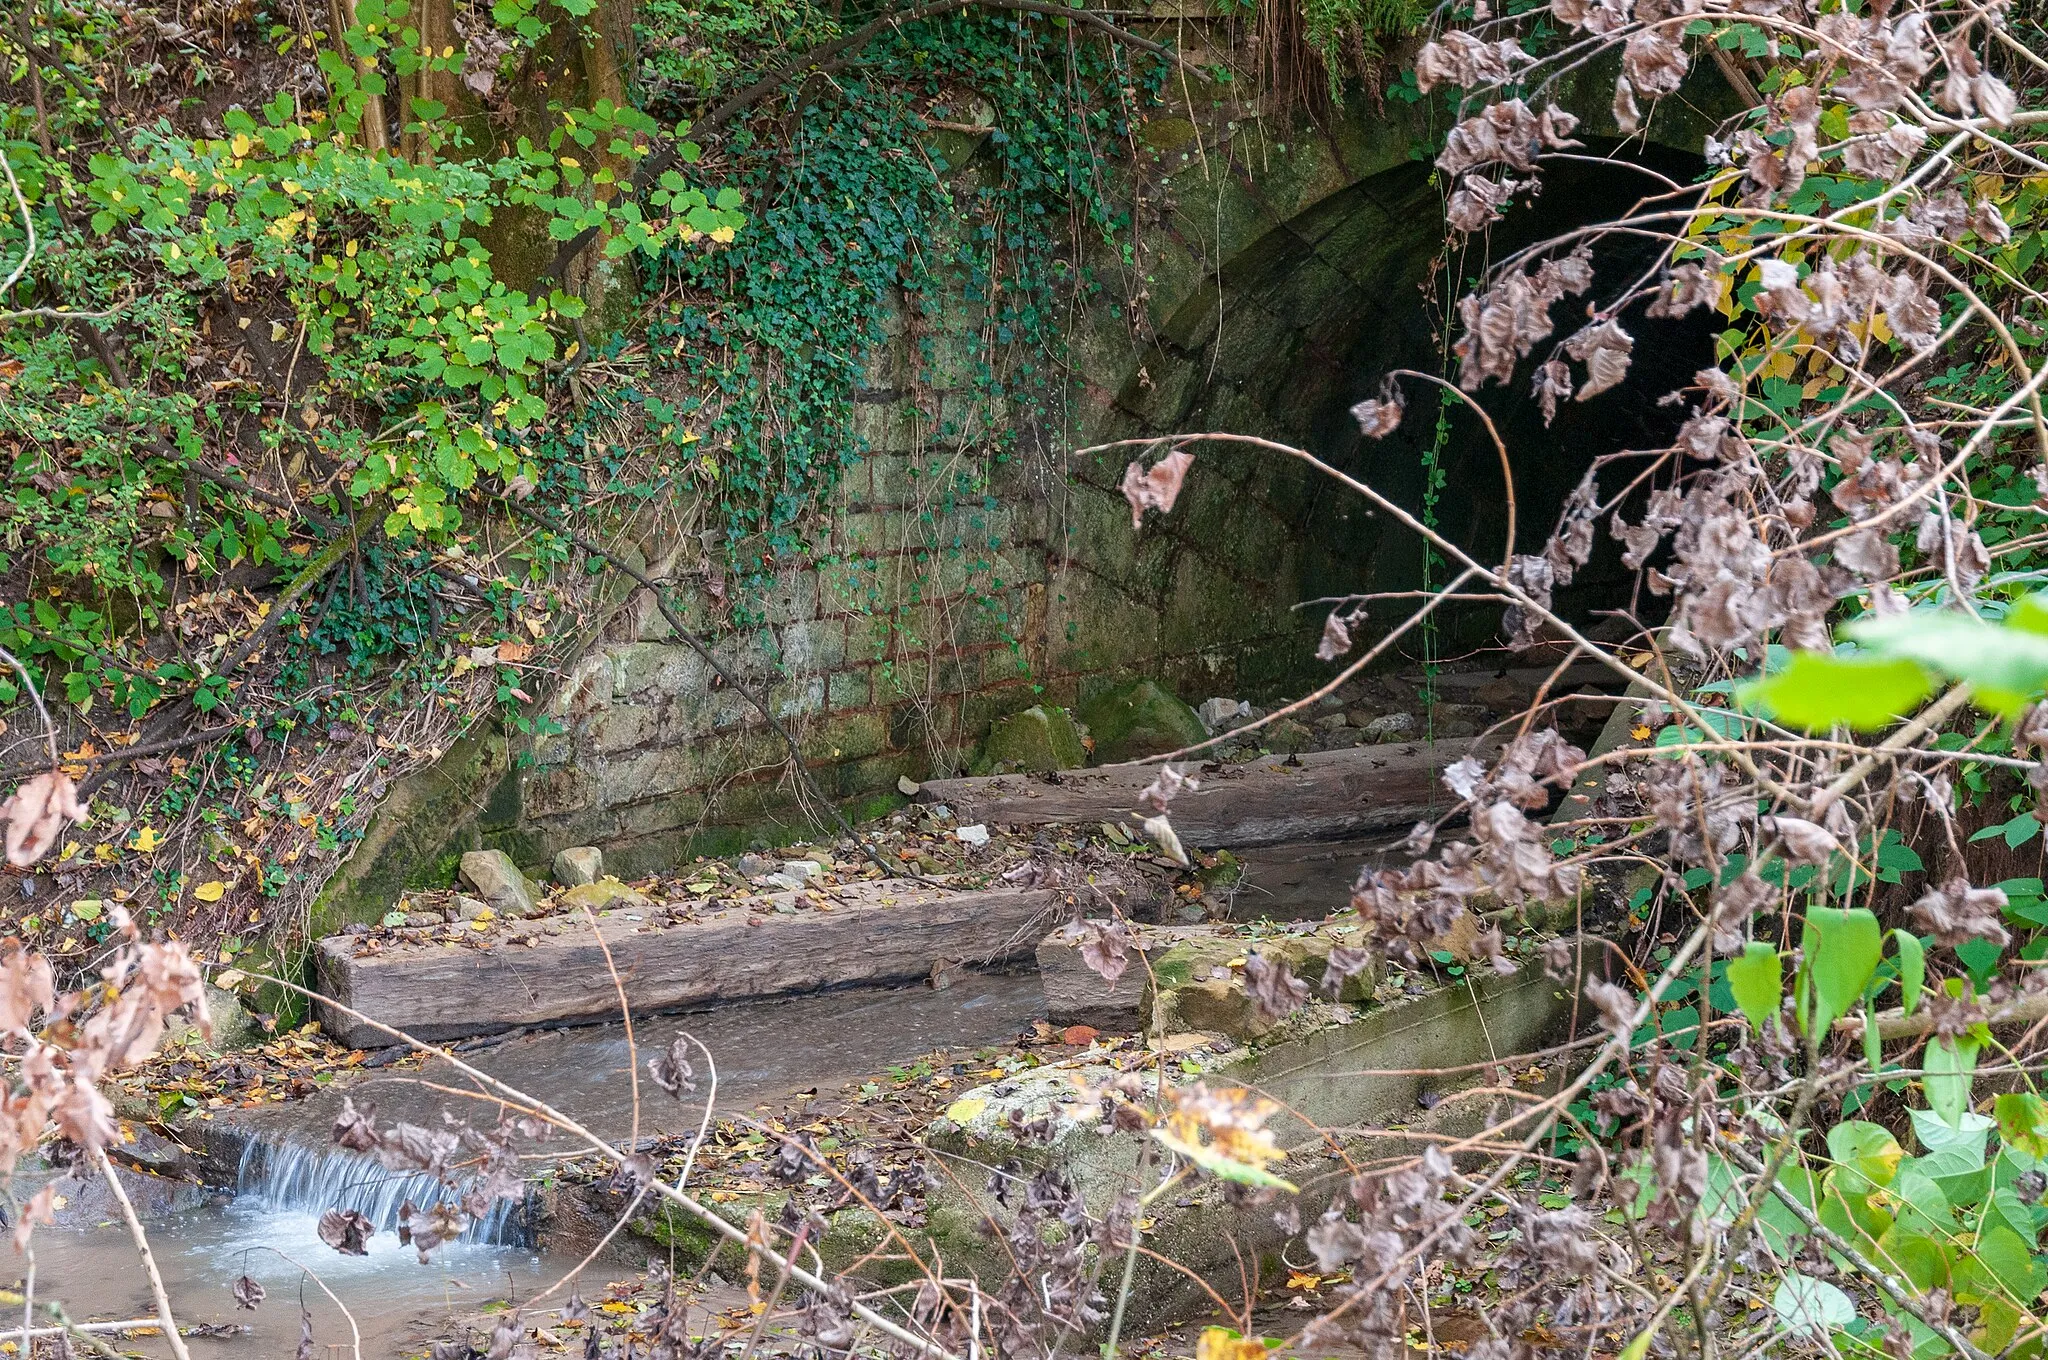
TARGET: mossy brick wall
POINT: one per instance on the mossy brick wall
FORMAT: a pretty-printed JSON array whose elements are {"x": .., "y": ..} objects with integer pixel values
[{"x": 1271, "y": 279}]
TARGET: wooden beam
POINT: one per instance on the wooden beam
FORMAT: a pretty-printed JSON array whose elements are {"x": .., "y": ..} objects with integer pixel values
[
  {"x": 1324, "y": 795},
  {"x": 878, "y": 932}
]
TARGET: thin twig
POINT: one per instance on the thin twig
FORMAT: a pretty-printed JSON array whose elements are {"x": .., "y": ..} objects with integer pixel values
[{"x": 156, "y": 1279}]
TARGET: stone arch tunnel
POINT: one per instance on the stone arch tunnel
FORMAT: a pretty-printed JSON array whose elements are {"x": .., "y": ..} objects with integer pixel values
[{"x": 1278, "y": 281}]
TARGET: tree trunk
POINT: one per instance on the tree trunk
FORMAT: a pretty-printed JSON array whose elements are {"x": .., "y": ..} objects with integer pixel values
[{"x": 342, "y": 16}]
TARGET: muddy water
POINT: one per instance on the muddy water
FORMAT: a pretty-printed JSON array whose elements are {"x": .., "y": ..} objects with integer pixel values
[{"x": 764, "y": 1053}]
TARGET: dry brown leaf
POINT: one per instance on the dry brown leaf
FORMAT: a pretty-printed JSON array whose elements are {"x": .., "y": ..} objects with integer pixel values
[
  {"x": 1156, "y": 488},
  {"x": 37, "y": 814}
]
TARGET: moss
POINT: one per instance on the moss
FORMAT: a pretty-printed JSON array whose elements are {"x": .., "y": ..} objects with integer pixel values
[
  {"x": 1039, "y": 739},
  {"x": 1141, "y": 720}
]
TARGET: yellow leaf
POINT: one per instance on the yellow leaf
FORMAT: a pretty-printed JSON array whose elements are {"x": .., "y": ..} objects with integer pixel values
[
  {"x": 1639, "y": 732},
  {"x": 965, "y": 1108},
  {"x": 230, "y": 979},
  {"x": 1220, "y": 1343},
  {"x": 147, "y": 840},
  {"x": 211, "y": 891}
]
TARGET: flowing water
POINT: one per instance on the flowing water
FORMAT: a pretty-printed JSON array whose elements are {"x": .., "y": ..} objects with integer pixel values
[{"x": 290, "y": 1173}]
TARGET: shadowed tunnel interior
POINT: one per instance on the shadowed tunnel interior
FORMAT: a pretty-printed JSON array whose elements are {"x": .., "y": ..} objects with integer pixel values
[{"x": 1306, "y": 322}]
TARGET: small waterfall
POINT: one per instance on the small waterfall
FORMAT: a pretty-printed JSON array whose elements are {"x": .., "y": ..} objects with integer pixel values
[{"x": 294, "y": 1178}]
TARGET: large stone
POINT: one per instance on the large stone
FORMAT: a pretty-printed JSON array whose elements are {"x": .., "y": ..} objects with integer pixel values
[
  {"x": 1041, "y": 738},
  {"x": 579, "y": 864},
  {"x": 1312, "y": 1064},
  {"x": 1141, "y": 720},
  {"x": 603, "y": 895},
  {"x": 498, "y": 881},
  {"x": 1076, "y": 994},
  {"x": 1217, "y": 714}
]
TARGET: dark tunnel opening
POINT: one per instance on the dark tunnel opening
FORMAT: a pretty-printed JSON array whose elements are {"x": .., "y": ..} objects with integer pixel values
[{"x": 1548, "y": 461}]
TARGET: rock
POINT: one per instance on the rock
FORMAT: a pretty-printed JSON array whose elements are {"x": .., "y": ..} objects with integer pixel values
[
  {"x": 233, "y": 1026},
  {"x": 423, "y": 920},
  {"x": 1330, "y": 722},
  {"x": 1360, "y": 717},
  {"x": 907, "y": 786},
  {"x": 753, "y": 866},
  {"x": 1141, "y": 720},
  {"x": 1392, "y": 727},
  {"x": 465, "y": 909},
  {"x": 1502, "y": 693},
  {"x": 579, "y": 864},
  {"x": 1217, "y": 714},
  {"x": 1287, "y": 735},
  {"x": 783, "y": 882},
  {"x": 1040, "y": 739},
  {"x": 1461, "y": 720},
  {"x": 1213, "y": 1006},
  {"x": 498, "y": 881},
  {"x": 975, "y": 835},
  {"x": 802, "y": 870},
  {"x": 1076, "y": 994},
  {"x": 602, "y": 895}
]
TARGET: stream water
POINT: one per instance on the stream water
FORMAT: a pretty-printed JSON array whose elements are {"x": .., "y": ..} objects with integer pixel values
[{"x": 765, "y": 1053}]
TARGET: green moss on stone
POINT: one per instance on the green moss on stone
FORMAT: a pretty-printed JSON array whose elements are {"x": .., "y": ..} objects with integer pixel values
[
  {"x": 1140, "y": 720},
  {"x": 1040, "y": 738}
]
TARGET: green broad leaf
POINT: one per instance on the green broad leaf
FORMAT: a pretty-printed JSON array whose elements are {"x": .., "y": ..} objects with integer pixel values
[
  {"x": 2005, "y": 1207},
  {"x": 1776, "y": 1222},
  {"x": 1819, "y": 690},
  {"x": 1917, "y": 1196},
  {"x": 1981, "y": 958},
  {"x": 1951, "y": 1147},
  {"x": 1758, "y": 980},
  {"x": 1815, "y": 1307},
  {"x": 1912, "y": 969},
  {"x": 1867, "y": 1151},
  {"x": 1915, "y": 1255},
  {"x": 2023, "y": 1122},
  {"x": 2010, "y": 1262},
  {"x": 1951, "y": 1065},
  {"x": 1843, "y": 948},
  {"x": 2007, "y": 662}
]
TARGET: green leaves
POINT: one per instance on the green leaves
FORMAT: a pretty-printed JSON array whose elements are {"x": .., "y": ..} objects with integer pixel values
[
  {"x": 1912, "y": 969},
  {"x": 1819, "y": 690},
  {"x": 1842, "y": 949},
  {"x": 1757, "y": 979},
  {"x": 1901, "y": 659},
  {"x": 1951, "y": 1065},
  {"x": 2023, "y": 1123}
]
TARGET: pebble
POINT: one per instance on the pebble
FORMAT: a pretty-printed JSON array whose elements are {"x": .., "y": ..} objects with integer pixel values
[
  {"x": 976, "y": 835},
  {"x": 786, "y": 882},
  {"x": 753, "y": 866}
]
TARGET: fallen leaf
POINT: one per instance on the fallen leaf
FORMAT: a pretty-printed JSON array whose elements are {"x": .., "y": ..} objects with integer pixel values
[
  {"x": 1078, "y": 1034},
  {"x": 965, "y": 1108},
  {"x": 211, "y": 891}
]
